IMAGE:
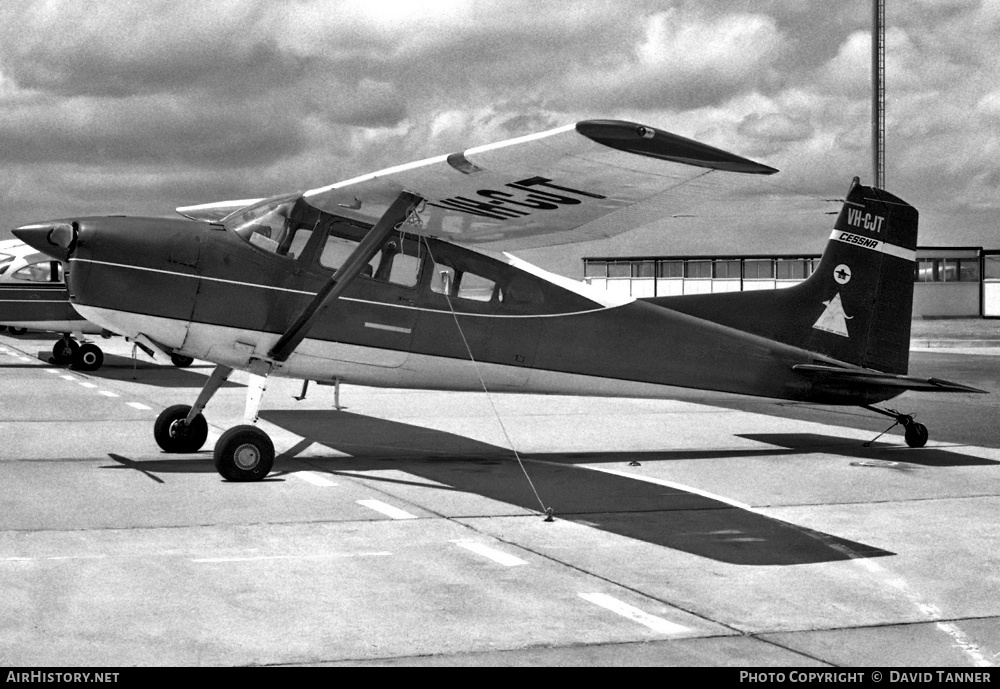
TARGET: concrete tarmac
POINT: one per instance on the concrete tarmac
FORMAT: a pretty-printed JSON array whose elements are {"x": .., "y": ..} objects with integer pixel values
[{"x": 403, "y": 530}]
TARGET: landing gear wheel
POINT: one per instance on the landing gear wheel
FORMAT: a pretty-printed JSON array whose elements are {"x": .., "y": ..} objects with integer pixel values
[
  {"x": 173, "y": 435},
  {"x": 244, "y": 453},
  {"x": 181, "y": 361},
  {"x": 916, "y": 434},
  {"x": 64, "y": 351},
  {"x": 88, "y": 358}
]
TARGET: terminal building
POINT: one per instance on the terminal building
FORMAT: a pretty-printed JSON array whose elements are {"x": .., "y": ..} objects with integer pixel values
[{"x": 950, "y": 282}]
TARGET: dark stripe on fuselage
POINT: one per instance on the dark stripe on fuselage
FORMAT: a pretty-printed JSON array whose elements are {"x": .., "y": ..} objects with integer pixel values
[{"x": 36, "y": 301}]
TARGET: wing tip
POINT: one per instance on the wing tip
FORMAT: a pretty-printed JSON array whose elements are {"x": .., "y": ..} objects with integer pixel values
[{"x": 656, "y": 143}]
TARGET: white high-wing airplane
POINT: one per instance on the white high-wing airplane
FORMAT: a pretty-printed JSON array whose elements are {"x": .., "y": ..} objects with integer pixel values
[{"x": 372, "y": 281}]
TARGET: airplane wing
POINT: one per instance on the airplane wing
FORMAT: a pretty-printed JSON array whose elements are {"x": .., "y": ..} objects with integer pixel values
[
  {"x": 584, "y": 181},
  {"x": 866, "y": 377}
]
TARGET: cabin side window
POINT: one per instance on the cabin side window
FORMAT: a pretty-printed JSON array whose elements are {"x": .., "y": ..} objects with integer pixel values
[
  {"x": 398, "y": 261},
  {"x": 44, "y": 271},
  {"x": 463, "y": 284}
]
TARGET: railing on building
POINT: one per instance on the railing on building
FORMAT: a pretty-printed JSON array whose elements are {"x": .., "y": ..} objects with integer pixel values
[{"x": 950, "y": 281}]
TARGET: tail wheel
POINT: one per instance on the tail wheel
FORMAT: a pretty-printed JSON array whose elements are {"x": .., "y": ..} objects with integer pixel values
[
  {"x": 88, "y": 358},
  {"x": 64, "y": 351},
  {"x": 244, "y": 453},
  {"x": 173, "y": 435},
  {"x": 916, "y": 434},
  {"x": 181, "y": 361}
]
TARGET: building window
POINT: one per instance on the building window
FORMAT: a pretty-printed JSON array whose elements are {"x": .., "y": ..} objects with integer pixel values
[
  {"x": 698, "y": 269},
  {"x": 991, "y": 266},
  {"x": 727, "y": 270},
  {"x": 947, "y": 270},
  {"x": 643, "y": 269},
  {"x": 791, "y": 269},
  {"x": 758, "y": 269},
  {"x": 669, "y": 269},
  {"x": 968, "y": 270},
  {"x": 620, "y": 270},
  {"x": 595, "y": 269}
]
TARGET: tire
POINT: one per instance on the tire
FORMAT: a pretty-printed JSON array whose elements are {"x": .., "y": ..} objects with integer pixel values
[
  {"x": 181, "y": 361},
  {"x": 916, "y": 434},
  {"x": 173, "y": 436},
  {"x": 244, "y": 453},
  {"x": 88, "y": 358},
  {"x": 64, "y": 351}
]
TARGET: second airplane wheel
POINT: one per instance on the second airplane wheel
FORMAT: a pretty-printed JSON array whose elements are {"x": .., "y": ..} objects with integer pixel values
[
  {"x": 181, "y": 361},
  {"x": 88, "y": 358},
  {"x": 916, "y": 435},
  {"x": 244, "y": 453},
  {"x": 64, "y": 351},
  {"x": 173, "y": 435}
]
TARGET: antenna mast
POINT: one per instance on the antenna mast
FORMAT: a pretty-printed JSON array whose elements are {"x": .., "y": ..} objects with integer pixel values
[{"x": 878, "y": 92}]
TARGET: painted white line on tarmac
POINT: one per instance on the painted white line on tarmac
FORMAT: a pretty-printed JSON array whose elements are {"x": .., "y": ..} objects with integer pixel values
[
  {"x": 313, "y": 478},
  {"x": 53, "y": 557},
  {"x": 958, "y": 636},
  {"x": 139, "y": 405},
  {"x": 73, "y": 378},
  {"x": 264, "y": 558},
  {"x": 24, "y": 358},
  {"x": 387, "y": 510},
  {"x": 657, "y": 624},
  {"x": 493, "y": 554},
  {"x": 107, "y": 394},
  {"x": 87, "y": 385}
]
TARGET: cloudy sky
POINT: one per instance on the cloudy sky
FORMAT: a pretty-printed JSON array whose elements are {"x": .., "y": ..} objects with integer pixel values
[{"x": 139, "y": 107}]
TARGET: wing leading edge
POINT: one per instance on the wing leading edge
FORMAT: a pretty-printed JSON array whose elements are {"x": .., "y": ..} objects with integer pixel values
[{"x": 589, "y": 180}]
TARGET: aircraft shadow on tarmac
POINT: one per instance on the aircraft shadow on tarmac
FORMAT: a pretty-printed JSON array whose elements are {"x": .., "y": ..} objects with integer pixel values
[
  {"x": 889, "y": 455},
  {"x": 653, "y": 513}
]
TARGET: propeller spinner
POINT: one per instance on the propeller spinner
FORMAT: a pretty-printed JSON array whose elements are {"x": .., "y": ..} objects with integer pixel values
[{"x": 55, "y": 239}]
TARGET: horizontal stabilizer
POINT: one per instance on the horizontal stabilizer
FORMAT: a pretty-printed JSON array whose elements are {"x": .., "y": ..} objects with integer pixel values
[{"x": 867, "y": 378}]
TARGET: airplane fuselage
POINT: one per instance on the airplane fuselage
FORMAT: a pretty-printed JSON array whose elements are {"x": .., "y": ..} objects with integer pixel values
[{"x": 204, "y": 291}]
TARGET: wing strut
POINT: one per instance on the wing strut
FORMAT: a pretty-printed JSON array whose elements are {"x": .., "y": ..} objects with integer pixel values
[{"x": 397, "y": 213}]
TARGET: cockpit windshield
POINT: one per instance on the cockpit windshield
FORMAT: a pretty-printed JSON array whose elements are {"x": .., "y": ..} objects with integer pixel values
[{"x": 266, "y": 224}]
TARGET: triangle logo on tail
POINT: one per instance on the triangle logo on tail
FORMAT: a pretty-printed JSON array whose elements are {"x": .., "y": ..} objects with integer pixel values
[{"x": 833, "y": 319}]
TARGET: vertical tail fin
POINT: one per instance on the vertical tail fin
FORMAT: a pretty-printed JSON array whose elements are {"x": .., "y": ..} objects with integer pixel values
[
  {"x": 856, "y": 306},
  {"x": 865, "y": 280}
]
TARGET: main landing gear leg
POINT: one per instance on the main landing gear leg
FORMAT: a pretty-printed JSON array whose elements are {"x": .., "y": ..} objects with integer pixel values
[
  {"x": 914, "y": 433},
  {"x": 181, "y": 428}
]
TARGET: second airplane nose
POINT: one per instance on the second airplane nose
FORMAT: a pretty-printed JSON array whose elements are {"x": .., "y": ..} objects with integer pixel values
[{"x": 54, "y": 239}]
